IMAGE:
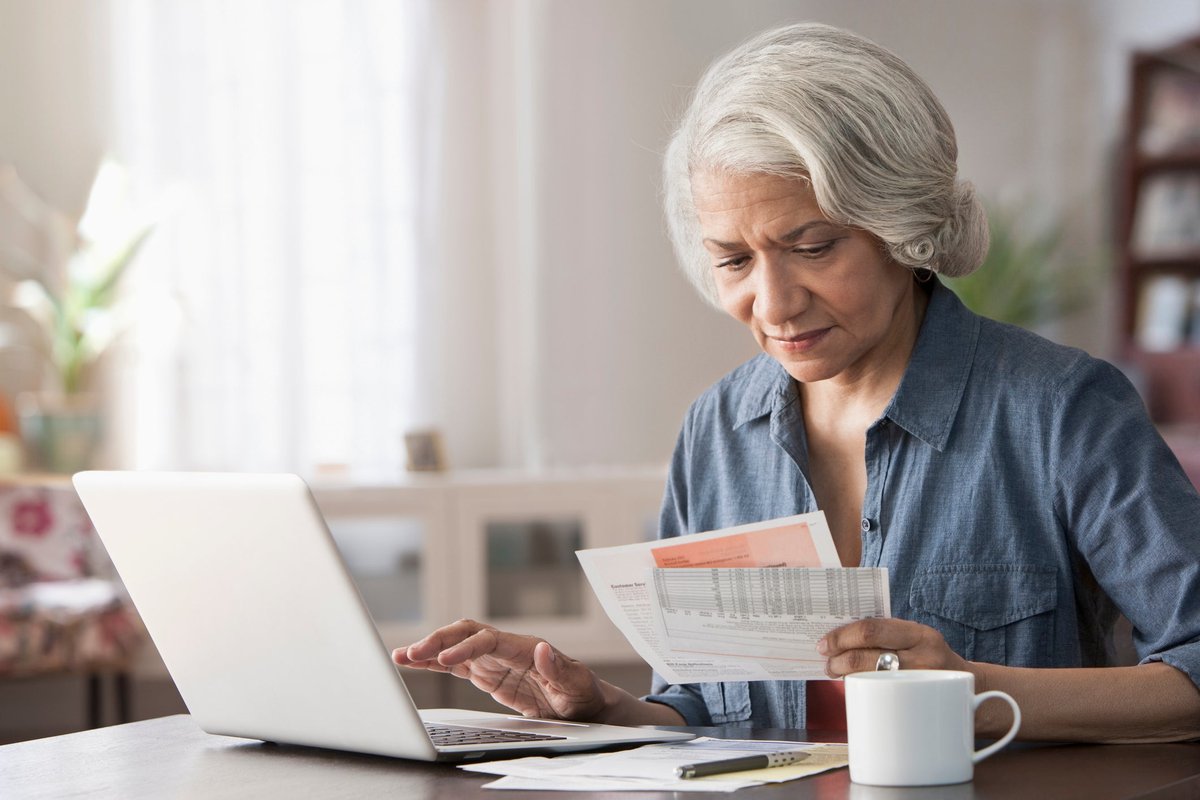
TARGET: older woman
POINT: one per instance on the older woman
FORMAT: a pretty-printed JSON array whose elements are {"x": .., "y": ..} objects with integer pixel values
[{"x": 1015, "y": 489}]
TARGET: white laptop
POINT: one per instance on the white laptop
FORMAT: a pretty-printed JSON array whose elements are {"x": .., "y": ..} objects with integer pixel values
[{"x": 258, "y": 621}]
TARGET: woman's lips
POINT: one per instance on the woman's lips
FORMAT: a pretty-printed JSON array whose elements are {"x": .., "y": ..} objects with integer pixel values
[{"x": 801, "y": 342}]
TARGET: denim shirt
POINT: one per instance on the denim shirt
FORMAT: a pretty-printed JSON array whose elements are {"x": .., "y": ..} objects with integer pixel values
[{"x": 1017, "y": 492}]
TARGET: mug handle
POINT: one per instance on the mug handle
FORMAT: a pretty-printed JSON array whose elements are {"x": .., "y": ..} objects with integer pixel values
[{"x": 980, "y": 755}]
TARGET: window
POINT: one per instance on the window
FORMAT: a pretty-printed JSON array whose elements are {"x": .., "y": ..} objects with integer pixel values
[{"x": 280, "y": 298}]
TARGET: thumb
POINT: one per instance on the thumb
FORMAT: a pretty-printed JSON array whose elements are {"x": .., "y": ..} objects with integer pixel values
[
  {"x": 562, "y": 672},
  {"x": 547, "y": 662},
  {"x": 570, "y": 687}
]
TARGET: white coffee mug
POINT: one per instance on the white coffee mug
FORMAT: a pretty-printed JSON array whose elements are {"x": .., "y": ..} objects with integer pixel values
[{"x": 916, "y": 727}]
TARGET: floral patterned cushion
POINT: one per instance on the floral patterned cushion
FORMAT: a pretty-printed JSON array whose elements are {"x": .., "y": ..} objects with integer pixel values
[
  {"x": 48, "y": 529},
  {"x": 60, "y": 607}
]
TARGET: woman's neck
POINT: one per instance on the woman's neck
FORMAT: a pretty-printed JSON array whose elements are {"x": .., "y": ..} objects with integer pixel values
[{"x": 865, "y": 390}]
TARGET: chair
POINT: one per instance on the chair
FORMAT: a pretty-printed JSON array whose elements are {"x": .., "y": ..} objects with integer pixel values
[{"x": 62, "y": 610}]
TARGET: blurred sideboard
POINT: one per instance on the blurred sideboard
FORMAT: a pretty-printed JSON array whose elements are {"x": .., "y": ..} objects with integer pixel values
[{"x": 494, "y": 546}]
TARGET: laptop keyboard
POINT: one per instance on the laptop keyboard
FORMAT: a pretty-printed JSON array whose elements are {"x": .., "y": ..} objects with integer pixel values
[{"x": 446, "y": 735}]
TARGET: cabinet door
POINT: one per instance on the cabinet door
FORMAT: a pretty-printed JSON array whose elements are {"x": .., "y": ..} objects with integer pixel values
[
  {"x": 395, "y": 544},
  {"x": 519, "y": 569}
]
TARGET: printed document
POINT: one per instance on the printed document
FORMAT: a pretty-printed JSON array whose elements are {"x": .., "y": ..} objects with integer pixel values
[
  {"x": 652, "y": 767},
  {"x": 738, "y": 604}
]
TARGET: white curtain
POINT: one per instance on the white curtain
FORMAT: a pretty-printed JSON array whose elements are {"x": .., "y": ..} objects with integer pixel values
[{"x": 280, "y": 299}]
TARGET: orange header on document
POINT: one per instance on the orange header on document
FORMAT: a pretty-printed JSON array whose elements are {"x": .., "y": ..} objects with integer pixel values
[{"x": 783, "y": 546}]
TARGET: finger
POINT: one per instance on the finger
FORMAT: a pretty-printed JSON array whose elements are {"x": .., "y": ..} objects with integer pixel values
[
  {"x": 507, "y": 647},
  {"x": 569, "y": 685},
  {"x": 560, "y": 672},
  {"x": 871, "y": 634},
  {"x": 545, "y": 662},
  {"x": 447, "y": 636},
  {"x": 400, "y": 658},
  {"x": 458, "y": 670},
  {"x": 851, "y": 661}
]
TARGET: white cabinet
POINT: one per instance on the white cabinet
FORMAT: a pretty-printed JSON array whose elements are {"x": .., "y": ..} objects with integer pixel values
[{"x": 493, "y": 546}]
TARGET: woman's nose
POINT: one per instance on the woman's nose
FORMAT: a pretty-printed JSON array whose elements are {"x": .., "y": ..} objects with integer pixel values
[{"x": 780, "y": 295}]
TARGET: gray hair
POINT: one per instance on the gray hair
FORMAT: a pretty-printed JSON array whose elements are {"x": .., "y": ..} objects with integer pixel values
[{"x": 823, "y": 104}]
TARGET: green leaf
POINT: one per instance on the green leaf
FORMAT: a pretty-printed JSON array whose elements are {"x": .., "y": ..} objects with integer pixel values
[{"x": 1027, "y": 279}]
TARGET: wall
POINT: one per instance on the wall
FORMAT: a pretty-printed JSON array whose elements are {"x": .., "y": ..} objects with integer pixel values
[
  {"x": 561, "y": 332},
  {"x": 1034, "y": 89}
]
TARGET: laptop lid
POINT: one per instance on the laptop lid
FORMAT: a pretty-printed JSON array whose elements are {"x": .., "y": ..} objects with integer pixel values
[{"x": 243, "y": 591}]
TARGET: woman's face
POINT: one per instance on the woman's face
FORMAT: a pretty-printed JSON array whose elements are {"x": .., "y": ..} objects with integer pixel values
[{"x": 823, "y": 300}]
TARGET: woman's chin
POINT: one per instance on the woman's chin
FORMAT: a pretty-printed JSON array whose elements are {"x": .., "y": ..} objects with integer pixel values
[{"x": 808, "y": 370}]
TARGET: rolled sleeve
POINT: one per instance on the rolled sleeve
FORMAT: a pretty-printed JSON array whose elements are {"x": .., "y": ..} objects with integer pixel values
[
  {"x": 1134, "y": 514},
  {"x": 684, "y": 698},
  {"x": 1185, "y": 658}
]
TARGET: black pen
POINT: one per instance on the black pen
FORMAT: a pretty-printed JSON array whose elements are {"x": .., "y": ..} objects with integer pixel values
[{"x": 739, "y": 764}]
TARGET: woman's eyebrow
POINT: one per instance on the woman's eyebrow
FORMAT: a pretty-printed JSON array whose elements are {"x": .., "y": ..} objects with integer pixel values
[
  {"x": 788, "y": 238},
  {"x": 796, "y": 233},
  {"x": 720, "y": 245}
]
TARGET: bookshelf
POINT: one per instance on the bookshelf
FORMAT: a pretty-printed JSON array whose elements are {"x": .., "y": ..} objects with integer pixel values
[{"x": 1159, "y": 230}]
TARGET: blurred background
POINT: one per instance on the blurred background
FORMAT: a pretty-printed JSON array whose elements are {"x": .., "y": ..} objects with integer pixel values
[{"x": 283, "y": 234}]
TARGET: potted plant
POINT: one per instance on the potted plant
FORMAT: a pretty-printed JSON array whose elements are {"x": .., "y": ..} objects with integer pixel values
[
  {"x": 64, "y": 277},
  {"x": 1030, "y": 276}
]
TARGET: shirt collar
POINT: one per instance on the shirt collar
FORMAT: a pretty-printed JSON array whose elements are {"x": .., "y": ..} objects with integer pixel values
[
  {"x": 932, "y": 388},
  {"x": 768, "y": 388},
  {"x": 927, "y": 400}
]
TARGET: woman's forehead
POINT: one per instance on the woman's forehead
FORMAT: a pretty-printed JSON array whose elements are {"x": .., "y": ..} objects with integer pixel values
[{"x": 718, "y": 193}]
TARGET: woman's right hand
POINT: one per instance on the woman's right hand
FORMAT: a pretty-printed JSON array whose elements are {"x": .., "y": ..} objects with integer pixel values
[{"x": 522, "y": 672}]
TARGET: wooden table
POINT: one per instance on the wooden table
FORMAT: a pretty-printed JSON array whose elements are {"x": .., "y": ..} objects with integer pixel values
[{"x": 172, "y": 758}]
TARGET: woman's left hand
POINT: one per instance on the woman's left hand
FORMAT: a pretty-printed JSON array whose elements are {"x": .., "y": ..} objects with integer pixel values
[{"x": 856, "y": 647}]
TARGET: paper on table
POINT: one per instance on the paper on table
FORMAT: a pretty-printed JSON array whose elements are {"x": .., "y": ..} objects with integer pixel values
[
  {"x": 652, "y": 767},
  {"x": 759, "y": 620},
  {"x": 563, "y": 773},
  {"x": 529, "y": 783},
  {"x": 821, "y": 758}
]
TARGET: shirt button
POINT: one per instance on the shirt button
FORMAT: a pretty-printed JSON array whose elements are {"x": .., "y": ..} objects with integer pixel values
[
  {"x": 866, "y": 524},
  {"x": 883, "y": 423}
]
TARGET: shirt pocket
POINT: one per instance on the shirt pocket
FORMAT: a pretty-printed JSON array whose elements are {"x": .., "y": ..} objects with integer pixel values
[
  {"x": 727, "y": 702},
  {"x": 996, "y": 613}
]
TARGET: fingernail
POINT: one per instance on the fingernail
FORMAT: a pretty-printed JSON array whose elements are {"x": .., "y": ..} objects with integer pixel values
[{"x": 823, "y": 646}]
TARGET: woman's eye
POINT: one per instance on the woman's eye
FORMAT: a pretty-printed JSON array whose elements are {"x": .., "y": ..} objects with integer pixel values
[
  {"x": 733, "y": 264},
  {"x": 815, "y": 250}
]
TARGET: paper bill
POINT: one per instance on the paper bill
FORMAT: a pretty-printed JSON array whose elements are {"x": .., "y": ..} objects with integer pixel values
[
  {"x": 764, "y": 614},
  {"x": 653, "y": 767},
  {"x": 746, "y": 603},
  {"x": 794, "y": 542}
]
